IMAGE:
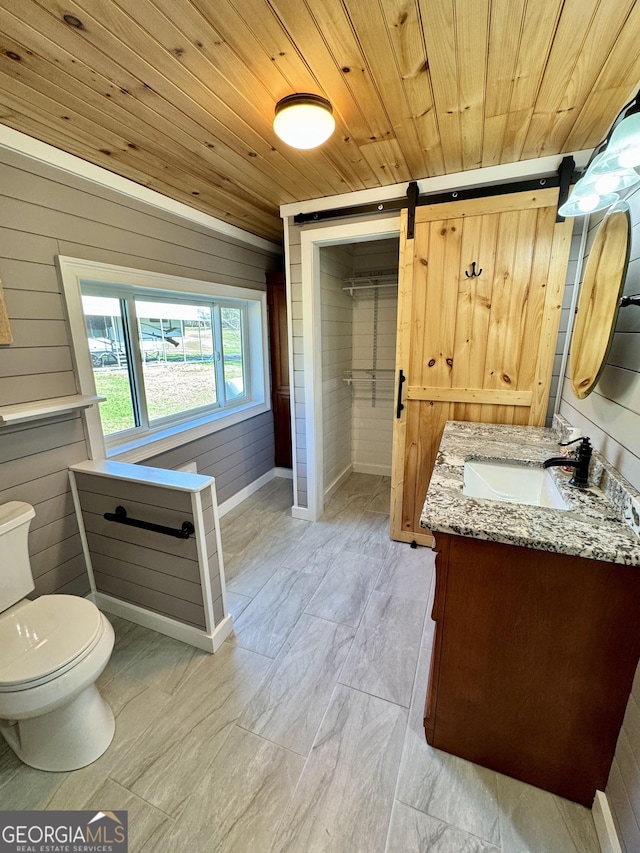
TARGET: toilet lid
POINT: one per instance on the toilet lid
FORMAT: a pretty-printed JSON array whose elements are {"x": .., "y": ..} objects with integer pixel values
[{"x": 44, "y": 636}]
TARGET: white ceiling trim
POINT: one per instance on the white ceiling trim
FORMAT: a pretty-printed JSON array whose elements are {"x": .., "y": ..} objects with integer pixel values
[
  {"x": 13, "y": 140},
  {"x": 541, "y": 166}
]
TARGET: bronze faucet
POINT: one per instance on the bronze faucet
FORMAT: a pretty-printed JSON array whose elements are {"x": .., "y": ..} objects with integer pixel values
[{"x": 580, "y": 463}]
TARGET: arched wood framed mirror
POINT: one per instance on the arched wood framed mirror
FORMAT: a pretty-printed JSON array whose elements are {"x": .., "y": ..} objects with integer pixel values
[{"x": 599, "y": 300}]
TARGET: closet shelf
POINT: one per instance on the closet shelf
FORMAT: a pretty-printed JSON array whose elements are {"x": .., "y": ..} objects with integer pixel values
[{"x": 21, "y": 412}]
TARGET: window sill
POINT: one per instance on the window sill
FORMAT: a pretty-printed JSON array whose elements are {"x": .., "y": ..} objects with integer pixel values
[{"x": 150, "y": 445}]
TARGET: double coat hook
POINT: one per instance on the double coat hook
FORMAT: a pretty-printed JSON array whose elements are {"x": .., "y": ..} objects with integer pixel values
[{"x": 473, "y": 274}]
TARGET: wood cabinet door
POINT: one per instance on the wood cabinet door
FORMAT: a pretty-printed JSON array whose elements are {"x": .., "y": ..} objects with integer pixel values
[
  {"x": 533, "y": 662},
  {"x": 473, "y": 347},
  {"x": 279, "y": 356}
]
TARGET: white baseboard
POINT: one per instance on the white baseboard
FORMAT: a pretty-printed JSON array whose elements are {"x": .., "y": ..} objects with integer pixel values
[
  {"x": 163, "y": 624},
  {"x": 338, "y": 481},
  {"x": 285, "y": 473},
  {"x": 605, "y": 826},
  {"x": 363, "y": 468},
  {"x": 245, "y": 493}
]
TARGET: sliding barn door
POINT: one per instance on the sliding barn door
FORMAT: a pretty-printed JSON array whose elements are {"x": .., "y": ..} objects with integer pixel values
[{"x": 480, "y": 294}]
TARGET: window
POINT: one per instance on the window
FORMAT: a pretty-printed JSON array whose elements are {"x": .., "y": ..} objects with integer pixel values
[
  {"x": 168, "y": 354},
  {"x": 160, "y": 360}
]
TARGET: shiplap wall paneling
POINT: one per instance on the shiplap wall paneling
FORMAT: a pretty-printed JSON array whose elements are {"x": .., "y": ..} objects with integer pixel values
[
  {"x": 294, "y": 285},
  {"x": 574, "y": 266},
  {"x": 565, "y": 319},
  {"x": 34, "y": 465},
  {"x": 94, "y": 218},
  {"x": 213, "y": 555},
  {"x": 610, "y": 416},
  {"x": 235, "y": 456},
  {"x": 167, "y": 578},
  {"x": 5, "y": 329},
  {"x": 375, "y": 255},
  {"x": 45, "y": 212},
  {"x": 38, "y": 364},
  {"x": 336, "y": 264},
  {"x": 374, "y": 340}
]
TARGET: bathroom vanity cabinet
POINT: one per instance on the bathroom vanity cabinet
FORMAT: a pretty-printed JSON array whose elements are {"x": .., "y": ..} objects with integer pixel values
[{"x": 533, "y": 660}]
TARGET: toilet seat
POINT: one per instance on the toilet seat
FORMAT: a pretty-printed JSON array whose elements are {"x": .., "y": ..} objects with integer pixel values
[{"x": 42, "y": 639}]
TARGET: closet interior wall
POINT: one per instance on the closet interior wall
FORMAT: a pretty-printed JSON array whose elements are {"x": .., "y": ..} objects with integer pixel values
[
  {"x": 375, "y": 317},
  {"x": 358, "y": 358}
]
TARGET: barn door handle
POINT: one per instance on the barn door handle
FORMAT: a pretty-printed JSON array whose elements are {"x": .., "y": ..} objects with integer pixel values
[{"x": 400, "y": 406}]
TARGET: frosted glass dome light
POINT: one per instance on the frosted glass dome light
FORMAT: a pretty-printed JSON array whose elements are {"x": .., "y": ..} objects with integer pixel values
[
  {"x": 623, "y": 149},
  {"x": 588, "y": 203},
  {"x": 586, "y": 199},
  {"x": 609, "y": 179},
  {"x": 304, "y": 121}
]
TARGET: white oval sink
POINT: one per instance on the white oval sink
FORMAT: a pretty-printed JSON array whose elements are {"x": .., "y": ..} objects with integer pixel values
[{"x": 511, "y": 483}]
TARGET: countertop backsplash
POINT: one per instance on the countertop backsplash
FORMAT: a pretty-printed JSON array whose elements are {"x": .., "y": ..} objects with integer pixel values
[{"x": 617, "y": 490}]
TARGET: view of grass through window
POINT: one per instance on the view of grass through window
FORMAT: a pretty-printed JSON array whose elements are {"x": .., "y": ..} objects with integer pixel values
[{"x": 178, "y": 353}]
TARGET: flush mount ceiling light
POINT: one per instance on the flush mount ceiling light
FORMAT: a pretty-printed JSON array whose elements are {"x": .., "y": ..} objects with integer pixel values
[{"x": 304, "y": 121}]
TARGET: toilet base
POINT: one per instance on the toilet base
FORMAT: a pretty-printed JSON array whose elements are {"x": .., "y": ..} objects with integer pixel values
[{"x": 65, "y": 739}]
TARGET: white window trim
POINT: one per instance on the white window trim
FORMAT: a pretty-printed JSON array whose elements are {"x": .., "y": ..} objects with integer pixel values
[{"x": 140, "y": 448}]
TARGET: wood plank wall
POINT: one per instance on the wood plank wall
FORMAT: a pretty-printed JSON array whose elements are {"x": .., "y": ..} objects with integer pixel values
[
  {"x": 610, "y": 416},
  {"x": 336, "y": 264},
  {"x": 44, "y": 212}
]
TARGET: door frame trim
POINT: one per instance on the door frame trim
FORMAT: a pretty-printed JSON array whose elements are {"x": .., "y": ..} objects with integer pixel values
[{"x": 312, "y": 240}]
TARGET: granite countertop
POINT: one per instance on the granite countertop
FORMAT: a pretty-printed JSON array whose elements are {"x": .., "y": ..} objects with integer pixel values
[{"x": 601, "y": 522}]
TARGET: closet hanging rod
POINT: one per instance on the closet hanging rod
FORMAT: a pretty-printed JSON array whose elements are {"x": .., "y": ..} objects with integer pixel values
[{"x": 372, "y": 283}]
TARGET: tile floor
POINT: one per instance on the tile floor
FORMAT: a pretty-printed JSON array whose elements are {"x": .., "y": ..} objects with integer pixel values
[{"x": 304, "y": 732}]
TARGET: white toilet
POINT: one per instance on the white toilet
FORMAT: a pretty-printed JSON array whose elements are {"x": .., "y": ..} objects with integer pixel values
[{"x": 52, "y": 650}]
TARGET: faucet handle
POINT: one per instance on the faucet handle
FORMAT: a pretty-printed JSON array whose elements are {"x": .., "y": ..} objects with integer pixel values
[{"x": 583, "y": 438}]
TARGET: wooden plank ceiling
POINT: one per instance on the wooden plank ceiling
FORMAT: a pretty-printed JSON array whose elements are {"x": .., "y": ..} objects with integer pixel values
[{"x": 179, "y": 95}]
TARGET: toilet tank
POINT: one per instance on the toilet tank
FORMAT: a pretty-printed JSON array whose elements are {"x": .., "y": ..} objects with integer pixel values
[{"x": 16, "y": 580}]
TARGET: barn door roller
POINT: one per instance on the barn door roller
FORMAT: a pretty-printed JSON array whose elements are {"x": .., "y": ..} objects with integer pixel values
[{"x": 412, "y": 196}]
